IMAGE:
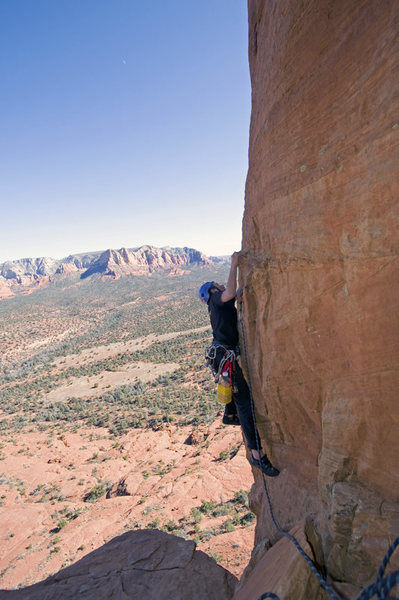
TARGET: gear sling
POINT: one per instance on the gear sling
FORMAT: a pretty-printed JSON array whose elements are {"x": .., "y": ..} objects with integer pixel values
[{"x": 223, "y": 375}]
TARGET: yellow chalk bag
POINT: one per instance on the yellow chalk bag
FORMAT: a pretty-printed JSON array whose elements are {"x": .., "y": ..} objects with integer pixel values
[{"x": 224, "y": 393}]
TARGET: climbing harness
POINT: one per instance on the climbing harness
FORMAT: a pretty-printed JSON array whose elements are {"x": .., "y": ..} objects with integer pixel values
[
  {"x": 223, "y": 376},
  {"x": 210, "y": 357},
  {"x": 383, "y": 585}
]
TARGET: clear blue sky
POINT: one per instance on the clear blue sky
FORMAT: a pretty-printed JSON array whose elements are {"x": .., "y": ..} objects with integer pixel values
[{"x": 122, "y": 123}]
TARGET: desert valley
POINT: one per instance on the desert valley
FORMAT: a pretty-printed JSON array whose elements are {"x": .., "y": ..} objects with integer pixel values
[{"x": 109, "y": 420}]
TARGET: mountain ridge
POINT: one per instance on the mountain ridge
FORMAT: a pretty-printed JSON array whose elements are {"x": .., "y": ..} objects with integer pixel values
[{"x": 27, "y": 274}]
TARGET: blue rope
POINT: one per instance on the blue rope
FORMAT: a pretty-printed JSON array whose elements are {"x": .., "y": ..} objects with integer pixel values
[
  {"x": 386, "y": 561},
  {"x": 381, "y": 587}
]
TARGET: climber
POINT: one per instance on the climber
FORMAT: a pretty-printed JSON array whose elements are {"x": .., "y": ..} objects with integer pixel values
[{"x": 220, "y": 300}]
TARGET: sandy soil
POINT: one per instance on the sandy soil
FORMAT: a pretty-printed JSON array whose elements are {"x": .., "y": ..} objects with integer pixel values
[
  {"x": 96, "y": 353},
  {"x": 81, "y": 387}
]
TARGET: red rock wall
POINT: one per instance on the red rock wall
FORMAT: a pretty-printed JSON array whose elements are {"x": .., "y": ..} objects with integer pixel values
[{"x": 321, "y": 277}]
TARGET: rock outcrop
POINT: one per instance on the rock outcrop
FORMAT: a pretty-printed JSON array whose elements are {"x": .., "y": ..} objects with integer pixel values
[
  {"x": 146, "y": 564},
  {"x": 320, "y": 272}
]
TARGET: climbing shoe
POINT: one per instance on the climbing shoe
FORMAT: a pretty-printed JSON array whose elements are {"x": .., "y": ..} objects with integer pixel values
[
  {"x": 230, "y": 420},
  {"x": 265, "y": 466}
]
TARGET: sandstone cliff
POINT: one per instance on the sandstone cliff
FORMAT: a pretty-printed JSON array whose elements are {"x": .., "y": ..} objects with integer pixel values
[{"x": 320, "y": 274}]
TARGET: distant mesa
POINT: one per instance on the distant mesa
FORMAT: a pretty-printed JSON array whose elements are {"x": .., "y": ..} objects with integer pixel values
[
  {"x": 144, "y": 261},
  {"x": 27, "y": 274},
  {"x": 220, "y": 259},
  {"x": 28, "y": 267}
]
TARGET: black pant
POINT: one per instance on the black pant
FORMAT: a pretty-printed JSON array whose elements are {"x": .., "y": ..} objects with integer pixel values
[{"x": 241, "y": 403}]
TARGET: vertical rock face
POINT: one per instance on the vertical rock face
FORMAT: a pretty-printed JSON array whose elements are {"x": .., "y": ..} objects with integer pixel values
[{"x": 321, "y": 275}]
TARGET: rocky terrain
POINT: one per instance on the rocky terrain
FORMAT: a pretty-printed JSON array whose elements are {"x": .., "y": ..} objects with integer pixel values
[
  {"x": 64, "y": 495},
  {"x": 28, "y": 274}
]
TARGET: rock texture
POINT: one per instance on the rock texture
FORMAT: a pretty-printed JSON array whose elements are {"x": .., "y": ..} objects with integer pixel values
[
  {"x": 320, "y": 272},
  {"x": 283, "y": 571},
  {"x": 138, "y": 564}
]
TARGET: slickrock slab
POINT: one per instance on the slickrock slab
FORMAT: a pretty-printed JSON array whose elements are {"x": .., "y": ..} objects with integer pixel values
[
  {"x": 155, "y": 477},
  {"x": 140, "y": 564}
]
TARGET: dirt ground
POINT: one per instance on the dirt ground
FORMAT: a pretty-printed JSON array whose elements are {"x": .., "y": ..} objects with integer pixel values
[
  {"x": 96, "y": 353},
  {"x": 81, "y": 387}
]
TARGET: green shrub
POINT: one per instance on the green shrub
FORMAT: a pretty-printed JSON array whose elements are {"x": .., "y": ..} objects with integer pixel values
[
  {"x": 61, "y": 524},
  {"x": 228, "y": 526},
  {"x": 196, "y": 514},
  {"x": 207, "y": 507},
  {"x": 95, "y": 493},
  {"x": 241, "y": 497}
]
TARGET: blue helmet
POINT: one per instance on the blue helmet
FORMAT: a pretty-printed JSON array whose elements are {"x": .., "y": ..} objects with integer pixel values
[{"x": 203, "y": 292}]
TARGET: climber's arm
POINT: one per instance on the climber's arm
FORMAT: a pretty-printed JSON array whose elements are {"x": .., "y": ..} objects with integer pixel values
[{"x": 231, "y": 285}]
